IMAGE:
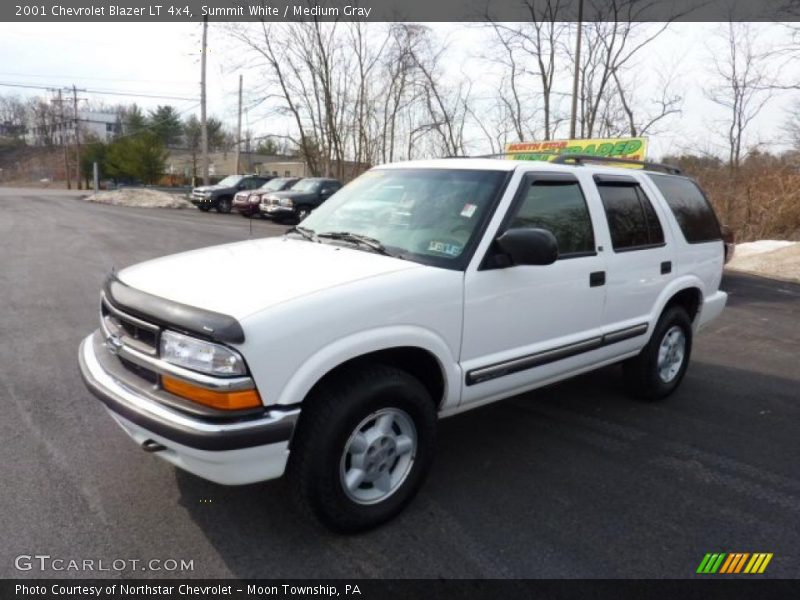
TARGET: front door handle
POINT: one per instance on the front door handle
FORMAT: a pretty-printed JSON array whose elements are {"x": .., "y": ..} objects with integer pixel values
[{"x": 597, "y": 278}]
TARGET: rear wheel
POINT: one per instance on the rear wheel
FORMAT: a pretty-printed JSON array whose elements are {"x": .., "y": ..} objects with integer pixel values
[
  {"x": 363, "y": 446},
  {"x": 224, "y": 205},
  {"x": 661, "y": 365}
]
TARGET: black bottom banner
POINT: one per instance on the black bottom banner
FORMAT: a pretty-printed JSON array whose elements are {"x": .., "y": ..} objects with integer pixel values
[{"x": 374, "y": 589}]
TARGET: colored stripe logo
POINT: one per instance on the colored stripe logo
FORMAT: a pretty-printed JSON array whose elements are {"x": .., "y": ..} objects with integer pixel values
[{"x": 734, "y": 563}]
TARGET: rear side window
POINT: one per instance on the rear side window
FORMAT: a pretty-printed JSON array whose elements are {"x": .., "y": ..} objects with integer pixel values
[
  {"x": 632, "y": 221},
  {"x": 560, "y": 208},
  {"x": 690, "y": 207}
]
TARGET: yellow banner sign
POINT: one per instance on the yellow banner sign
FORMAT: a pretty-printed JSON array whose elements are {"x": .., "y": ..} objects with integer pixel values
[{"x": 631, "y": 148}]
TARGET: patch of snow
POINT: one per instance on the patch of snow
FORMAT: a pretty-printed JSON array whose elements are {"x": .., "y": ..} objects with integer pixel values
[
  {"x": 760, "y": 246},
  {"x": 140, "y": 197}
]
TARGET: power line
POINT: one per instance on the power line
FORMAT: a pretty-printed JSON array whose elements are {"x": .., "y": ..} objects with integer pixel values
[
  {"x": 80, "y": 77},
  {"x": 101, "y": 92}
]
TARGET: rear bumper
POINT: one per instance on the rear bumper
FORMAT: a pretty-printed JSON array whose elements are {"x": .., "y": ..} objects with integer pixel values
[
  {"x": 711, "y": 308},
  {"x": 228, "y": 452}
]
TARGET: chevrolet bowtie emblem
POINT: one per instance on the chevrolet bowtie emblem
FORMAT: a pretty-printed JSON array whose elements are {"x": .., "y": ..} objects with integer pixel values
[{"x": 114, "y": 343}]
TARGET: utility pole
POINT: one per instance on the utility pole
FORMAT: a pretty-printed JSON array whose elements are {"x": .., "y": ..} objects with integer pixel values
[
  {"x": 203, "y": 123},
  {"x": 239, "y": 127},
  {"x": 64, "y": 139},
  {"x": 77, "y": 136},
  {"x": 574, "y": 116}
]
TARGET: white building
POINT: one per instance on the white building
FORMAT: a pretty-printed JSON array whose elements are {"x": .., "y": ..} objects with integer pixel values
[{"x": 102, "y": 126}]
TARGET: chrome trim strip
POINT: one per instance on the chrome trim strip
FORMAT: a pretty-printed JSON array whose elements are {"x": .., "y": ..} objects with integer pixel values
[
  {"x": 623, "y": 334},
  {"x": 218, "y": 384},
  {"x": 529, "y": 361}
]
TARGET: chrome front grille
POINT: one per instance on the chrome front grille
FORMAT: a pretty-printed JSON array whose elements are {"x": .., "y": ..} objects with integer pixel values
[{"x": 126, "y": 331}]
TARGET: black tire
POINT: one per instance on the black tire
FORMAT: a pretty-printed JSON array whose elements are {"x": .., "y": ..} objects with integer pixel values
[
  {"x": 224, "y": 205},
  {"x": 302, "y": 213},
  {"x": 330, "y": 417},
  {"x": 641, "y": 373}
]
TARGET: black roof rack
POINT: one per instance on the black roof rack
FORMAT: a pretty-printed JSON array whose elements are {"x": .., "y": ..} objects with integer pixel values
[{"x": 580, "y": 159}]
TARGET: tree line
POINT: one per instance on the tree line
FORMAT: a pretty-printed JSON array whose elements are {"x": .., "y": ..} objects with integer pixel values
[{"x": 136, "y": 150}]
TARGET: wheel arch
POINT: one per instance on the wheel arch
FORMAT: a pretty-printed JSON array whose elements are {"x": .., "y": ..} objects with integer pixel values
[
  {"x": 419, "y": 352},
  {"x": 686, "y": 292}
]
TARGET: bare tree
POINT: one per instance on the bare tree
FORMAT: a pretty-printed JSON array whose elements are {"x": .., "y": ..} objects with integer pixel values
[
  {"x": 742, "y": 84},
  {"x": 528, "y": 54},
  {"x": 613, "y": 39}
]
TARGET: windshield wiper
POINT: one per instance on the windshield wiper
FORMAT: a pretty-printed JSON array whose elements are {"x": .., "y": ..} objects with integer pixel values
[
  {"x": 358, "y": 239},
  {"x": 305, "y": 232}
]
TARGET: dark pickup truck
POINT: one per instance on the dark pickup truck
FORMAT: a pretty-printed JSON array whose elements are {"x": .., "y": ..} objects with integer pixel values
[
  {"x": 296, "y": 203},
  {"x": 220, "y": 195}
]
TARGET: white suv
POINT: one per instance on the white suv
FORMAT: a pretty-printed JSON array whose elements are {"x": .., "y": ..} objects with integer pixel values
[{"x": 418, "y": 291}]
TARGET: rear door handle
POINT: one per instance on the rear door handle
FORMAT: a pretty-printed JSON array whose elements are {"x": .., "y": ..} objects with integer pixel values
[
  {"x": 597, "y": 278},
  {"x": 666, "y": 267}
]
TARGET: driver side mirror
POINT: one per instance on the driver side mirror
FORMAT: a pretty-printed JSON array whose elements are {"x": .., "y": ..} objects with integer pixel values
[{"x": 529, "y": 246}]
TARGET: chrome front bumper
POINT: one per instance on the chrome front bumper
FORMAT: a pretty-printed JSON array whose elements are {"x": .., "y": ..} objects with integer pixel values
[{"x": 138, "y": 407}]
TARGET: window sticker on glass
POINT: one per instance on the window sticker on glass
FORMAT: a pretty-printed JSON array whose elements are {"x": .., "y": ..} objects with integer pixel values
[
  {"x": 444, "y": 248},
  {"x": 468, "y": 210}
]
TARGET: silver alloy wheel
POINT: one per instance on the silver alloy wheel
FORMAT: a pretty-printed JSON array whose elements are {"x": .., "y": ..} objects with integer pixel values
[
  {"x": 378, "y": 456},
  {"x": 671, "y": 353}
]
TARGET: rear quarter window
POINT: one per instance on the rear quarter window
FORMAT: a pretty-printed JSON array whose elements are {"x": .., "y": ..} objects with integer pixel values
[{"x": 694, "y": 214}]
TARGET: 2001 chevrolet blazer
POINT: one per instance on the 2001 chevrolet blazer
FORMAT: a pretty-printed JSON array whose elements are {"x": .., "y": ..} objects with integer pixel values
[{"x": 418, "y": 291}]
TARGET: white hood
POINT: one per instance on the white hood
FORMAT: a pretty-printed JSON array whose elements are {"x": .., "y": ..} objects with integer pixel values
[{"x": 242, "y": 278}]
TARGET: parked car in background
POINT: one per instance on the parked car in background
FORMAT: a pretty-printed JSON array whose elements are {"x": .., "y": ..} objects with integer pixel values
[
  {"x": 246, "y": 202},
  {"x": 298, "y": 202},
  {"x": 220, "y": 195}
]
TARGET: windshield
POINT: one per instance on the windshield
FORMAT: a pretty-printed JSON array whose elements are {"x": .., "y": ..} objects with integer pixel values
[
  {"x": 230, "y": 181},
  {"x": 306, "y": 185},
  {"x": 427, "y": 215},
  {"x": 273, "y": 185}
]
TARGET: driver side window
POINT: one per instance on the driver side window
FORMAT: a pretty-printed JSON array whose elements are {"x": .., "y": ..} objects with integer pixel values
[{"x": 559, "y": 207}]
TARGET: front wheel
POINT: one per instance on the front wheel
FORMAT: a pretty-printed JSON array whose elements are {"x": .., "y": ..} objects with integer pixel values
[
  {"x": 302, "y": 213},
  {"x": 224, "y": 205},
  {"x": 363, "y": 446},
  {"x": 661, "y": 365}
]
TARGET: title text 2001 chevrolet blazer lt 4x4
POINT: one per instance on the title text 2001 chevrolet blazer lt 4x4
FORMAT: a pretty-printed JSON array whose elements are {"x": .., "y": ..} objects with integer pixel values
[{"x": 418, "y": 291}]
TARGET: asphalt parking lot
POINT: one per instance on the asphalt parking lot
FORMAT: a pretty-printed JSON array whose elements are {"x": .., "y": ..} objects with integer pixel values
[{"x": 574, "y": 480}]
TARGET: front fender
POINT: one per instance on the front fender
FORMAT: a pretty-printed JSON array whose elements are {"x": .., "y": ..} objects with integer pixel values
[{"x": 364, "y": 342}]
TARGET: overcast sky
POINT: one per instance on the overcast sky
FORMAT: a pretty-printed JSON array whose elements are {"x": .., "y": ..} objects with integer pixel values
[{"x": 163, "y": 59}]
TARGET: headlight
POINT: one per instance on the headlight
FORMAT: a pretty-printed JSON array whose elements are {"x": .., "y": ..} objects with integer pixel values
[
  {"x": 255, "y": 198},
  {"x": 199, "y": 355},
  {"x": 286, "y": 202}
]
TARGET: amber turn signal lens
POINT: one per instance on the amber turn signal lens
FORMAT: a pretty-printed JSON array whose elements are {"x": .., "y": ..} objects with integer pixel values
[{"x": 221, "y": 400}]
